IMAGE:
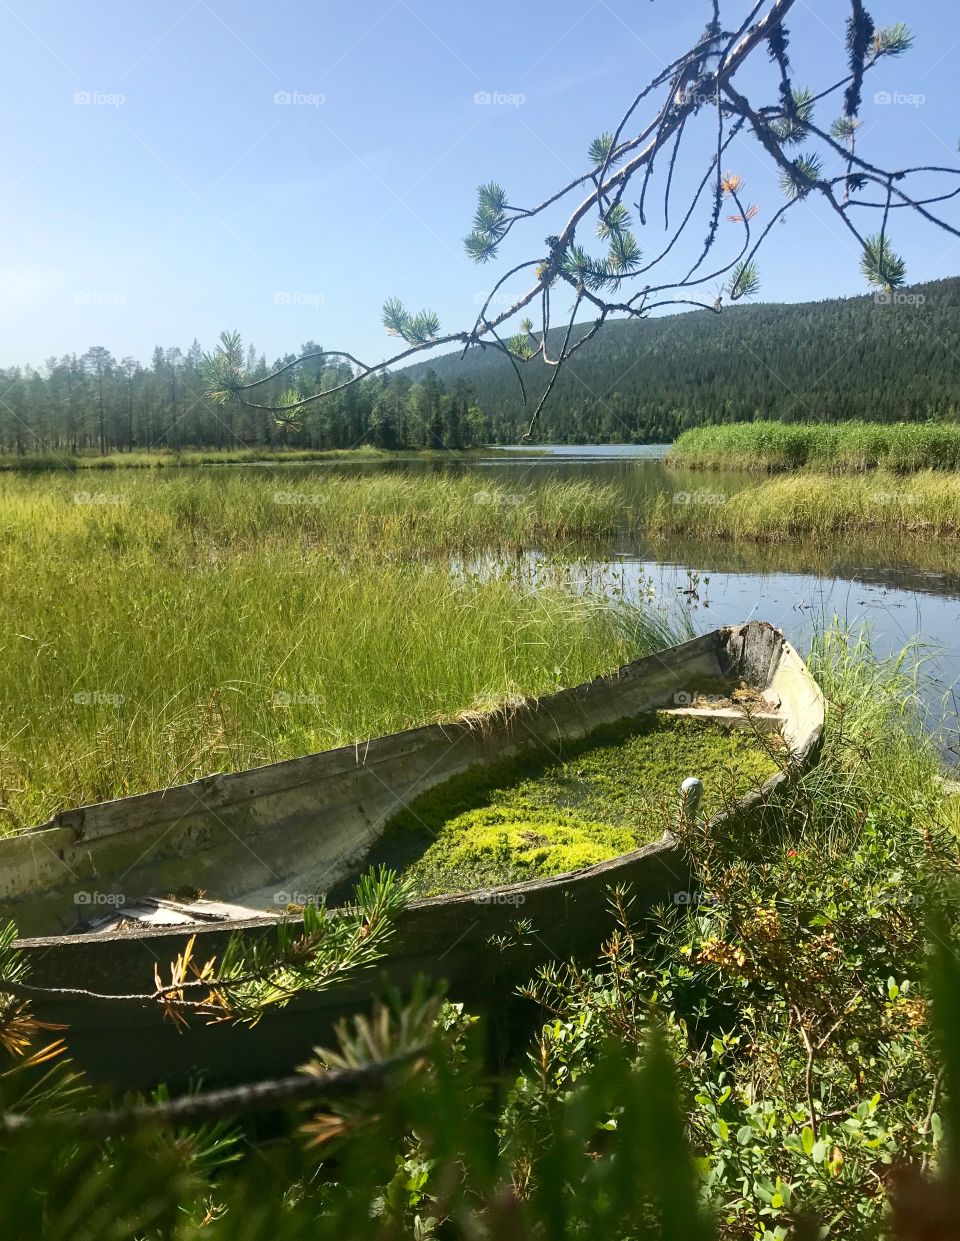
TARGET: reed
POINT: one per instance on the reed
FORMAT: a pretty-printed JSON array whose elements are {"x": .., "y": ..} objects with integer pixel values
[
  {"x": 163, "y": 627},
  {"x": 845, "y": 447},
  {"x": 402, "y": 513},
  {"x": 817, "y": 507},
  {"x": 33, "y": 462}
]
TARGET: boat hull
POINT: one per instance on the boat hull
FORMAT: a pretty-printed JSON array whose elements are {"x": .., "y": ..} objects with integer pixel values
[{"x": 299, "y": 828}]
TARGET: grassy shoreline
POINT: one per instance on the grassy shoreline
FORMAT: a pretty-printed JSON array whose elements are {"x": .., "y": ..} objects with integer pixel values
[
  {"x": 396, "y": 513},
  {"x": 159, "y": 459},
  {"x": 166, "y": 627},
  {"x": 818, "y": 507},
  {"x": 163, "y": 626},
  {"x": 845, "y": 447}
]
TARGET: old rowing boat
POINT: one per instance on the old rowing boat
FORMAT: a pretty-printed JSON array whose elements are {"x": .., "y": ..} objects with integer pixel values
[{"x": 90, "y": 891}]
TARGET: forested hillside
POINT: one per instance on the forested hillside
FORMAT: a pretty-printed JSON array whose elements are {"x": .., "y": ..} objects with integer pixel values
[
  {"x": 639, "y": 381},
  {"x": 820, "y": 361}
]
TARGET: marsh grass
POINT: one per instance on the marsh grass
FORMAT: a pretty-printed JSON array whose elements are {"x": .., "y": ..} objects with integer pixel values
[
  {"x": 820, "y": 507},
  {"x": 879, "y": 756},
  {"x": 163, "y": 627},
  {"x": 847, "y": 447},
  {"x": 195, "y": 514},
  {"x": 171, "y": 459},
  {"x": 878, "y": 744}
]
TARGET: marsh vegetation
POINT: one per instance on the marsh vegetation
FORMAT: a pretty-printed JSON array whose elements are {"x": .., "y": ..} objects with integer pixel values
[
  {"x": 818, "y": 507},
  {"x": 844, "y": 447},
  {"x": 163, "y": 627}
]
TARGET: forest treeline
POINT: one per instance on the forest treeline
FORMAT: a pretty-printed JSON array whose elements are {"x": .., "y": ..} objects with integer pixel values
[
  {"x": 879, "y": 359},
  {"x": 95, "y": 403}
]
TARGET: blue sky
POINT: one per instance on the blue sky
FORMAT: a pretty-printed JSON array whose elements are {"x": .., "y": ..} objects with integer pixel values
[{"x": 177, "y": 168}]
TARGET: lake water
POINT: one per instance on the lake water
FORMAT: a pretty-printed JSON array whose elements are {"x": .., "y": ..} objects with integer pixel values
[{"x": 906, "y": 593}]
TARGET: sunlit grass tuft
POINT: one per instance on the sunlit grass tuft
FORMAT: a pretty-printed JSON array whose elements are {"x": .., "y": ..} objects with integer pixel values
[
  {"x": 877, "y": 743},
  {"x": 848, "y": 447},
  {"x": 206, "y": 513},
  {"x": 820, "y": 506}
]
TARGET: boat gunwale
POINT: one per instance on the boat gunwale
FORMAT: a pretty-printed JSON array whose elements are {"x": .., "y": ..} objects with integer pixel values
[{"x": 222, "y": 782}]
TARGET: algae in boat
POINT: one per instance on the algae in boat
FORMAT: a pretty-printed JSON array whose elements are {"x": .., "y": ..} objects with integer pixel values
[{"x": 544, "y": 815}]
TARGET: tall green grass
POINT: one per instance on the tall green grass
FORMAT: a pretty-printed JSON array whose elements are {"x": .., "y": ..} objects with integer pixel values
[
  {"x": 203, "y": 512},
  {"x": 171, "y": 458},
  {"x": 819, "y": 507},
  {"x": 848, "y": 447},
  {"x": 878, "y": 744},
  {"x": 168, "y": 627},
  {"x": 33, "y": 462}
]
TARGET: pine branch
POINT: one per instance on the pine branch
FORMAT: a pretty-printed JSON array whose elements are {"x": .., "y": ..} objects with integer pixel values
[{"x": 677, "y": 98}]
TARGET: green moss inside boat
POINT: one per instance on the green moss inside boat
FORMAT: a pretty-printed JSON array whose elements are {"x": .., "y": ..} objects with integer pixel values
[{"x": 607, "y": 795}]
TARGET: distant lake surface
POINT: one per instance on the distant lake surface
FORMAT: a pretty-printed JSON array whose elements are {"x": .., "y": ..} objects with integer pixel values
[{"x": 590, "y": 452}]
